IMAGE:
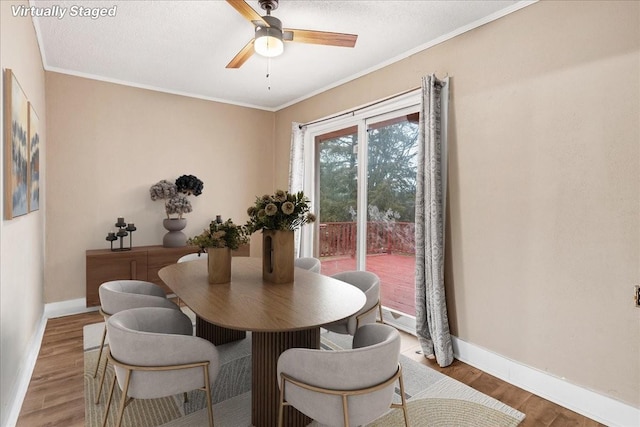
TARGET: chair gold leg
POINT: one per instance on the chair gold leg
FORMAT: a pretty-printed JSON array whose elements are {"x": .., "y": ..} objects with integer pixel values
[
  {"x": 123, "y": 399},
  {"x": 106, "y": 410},
  {"x": 377, "y": 306},
  {"x": 281, "y": 408},
  {"x": 207, "y": 388},
  {"x": 345, "y": 410},
  {"x": 104, "y": 373},
  {"x": 104, "y": 335},
  {"x": 404, "y": 401}
]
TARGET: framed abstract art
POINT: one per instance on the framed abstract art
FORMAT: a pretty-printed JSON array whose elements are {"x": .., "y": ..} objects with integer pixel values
[
  {"x": 16, "y": 160},
  {"x": 33, "y": 178}
]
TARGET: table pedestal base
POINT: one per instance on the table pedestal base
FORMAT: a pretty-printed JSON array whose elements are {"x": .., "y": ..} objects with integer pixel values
[
  {"x": 217, "y": 334},
  {"x": 265, "y": 394}
]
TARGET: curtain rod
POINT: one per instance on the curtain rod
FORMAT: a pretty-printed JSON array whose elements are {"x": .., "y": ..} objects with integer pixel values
[{"x": 352, "y": 112}]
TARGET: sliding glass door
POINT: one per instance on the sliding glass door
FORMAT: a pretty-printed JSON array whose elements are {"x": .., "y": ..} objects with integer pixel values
[
  {"x": 338, "y": 191},
  {"x": 391, "y": 192},
  {"x": 365, "y": 183}
]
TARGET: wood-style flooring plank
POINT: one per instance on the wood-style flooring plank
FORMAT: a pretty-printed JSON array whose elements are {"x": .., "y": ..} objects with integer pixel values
[
  {"x": 55, "y": 396},
  {"x": 68, "y": 414}
]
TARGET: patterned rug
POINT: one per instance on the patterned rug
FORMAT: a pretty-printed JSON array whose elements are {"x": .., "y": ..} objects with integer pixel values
[{"x": 434, "y": 398}]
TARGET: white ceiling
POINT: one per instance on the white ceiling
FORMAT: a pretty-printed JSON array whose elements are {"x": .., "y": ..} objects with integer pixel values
[{"x": 183, "y": 47}]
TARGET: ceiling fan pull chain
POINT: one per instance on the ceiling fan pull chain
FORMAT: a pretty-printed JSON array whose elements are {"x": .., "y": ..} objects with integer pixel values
[{"x": 268, "y": 73}]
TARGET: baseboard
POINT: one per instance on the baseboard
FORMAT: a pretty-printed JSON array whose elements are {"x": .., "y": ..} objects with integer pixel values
[
  {"x": 24, "y": 376},
  {"x": 67, "y": 308},
  {"x": 600, "y": 408}
]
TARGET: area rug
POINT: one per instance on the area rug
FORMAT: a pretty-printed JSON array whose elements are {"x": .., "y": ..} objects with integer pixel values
[{"x": 434, "y": 398}]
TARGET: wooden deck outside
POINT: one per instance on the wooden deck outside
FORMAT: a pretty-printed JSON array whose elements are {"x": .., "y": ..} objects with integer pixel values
[{"x": 396, "y": 272}]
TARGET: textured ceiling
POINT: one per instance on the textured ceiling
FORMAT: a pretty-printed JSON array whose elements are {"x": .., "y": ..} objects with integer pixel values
[{"x": 183, "y": 46}]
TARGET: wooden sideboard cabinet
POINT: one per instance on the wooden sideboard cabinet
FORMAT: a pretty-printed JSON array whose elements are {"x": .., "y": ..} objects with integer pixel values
[{"x": 140, "y": 263}]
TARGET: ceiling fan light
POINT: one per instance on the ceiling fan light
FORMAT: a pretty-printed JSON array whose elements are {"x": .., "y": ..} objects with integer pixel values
[{"x": 268, "y": 42}]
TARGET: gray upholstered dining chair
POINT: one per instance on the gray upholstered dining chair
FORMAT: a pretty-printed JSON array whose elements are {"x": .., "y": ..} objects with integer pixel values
[
  {"x": 119, "y": 295},
  {"x": 369, "y": 283},
  {"x": 193, "y": 257},
  {"x": 344, "y": 387},
  {"x": 157, "y": 344},
  {"x": 308, "y": 263}
]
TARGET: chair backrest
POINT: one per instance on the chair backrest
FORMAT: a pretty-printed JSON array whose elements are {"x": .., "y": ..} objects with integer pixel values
[
  {"x": 118, "y": 295},
  {"x": 193, "y": 257},
  {"x": 367, "y": 282},
  {"x": 308, "y": 263},
  {"x": 373, "y": 360},
  {"x": 158, "y": 337}
]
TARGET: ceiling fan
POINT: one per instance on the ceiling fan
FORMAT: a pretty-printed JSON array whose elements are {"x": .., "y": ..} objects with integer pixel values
[{"x": 269, "y": 34}]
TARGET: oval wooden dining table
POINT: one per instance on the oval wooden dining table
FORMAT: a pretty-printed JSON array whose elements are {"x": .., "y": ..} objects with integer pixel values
[{"x": 279, "y": 316}]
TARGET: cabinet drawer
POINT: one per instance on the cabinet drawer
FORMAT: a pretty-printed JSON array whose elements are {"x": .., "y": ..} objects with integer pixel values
[{"x": 113, "y": 266}]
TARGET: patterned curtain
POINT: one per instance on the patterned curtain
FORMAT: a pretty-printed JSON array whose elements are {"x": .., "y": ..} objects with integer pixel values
[
  {"x": 296, "y": 169},
  {"x": 432, "y": 324}
]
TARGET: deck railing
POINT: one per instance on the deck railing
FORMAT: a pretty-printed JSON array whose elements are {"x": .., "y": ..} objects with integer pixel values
[{"x": 339, "y": 238}]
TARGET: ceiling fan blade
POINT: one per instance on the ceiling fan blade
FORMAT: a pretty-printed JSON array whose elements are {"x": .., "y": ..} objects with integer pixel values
[
  {"x": 248, "y": 12},
  {"x": 242, "y": 56},
  {"x": 320, "y": 37}
]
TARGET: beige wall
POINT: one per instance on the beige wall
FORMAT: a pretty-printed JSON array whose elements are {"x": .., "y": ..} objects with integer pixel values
[
  {"x": 109, "y": 143},
  {"x": 22, "y": 239},
  {"x": 544, "y": 197}
]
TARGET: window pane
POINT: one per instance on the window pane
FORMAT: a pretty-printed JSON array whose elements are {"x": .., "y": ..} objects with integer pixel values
[
  {"x": 391, "y": 190},
  {"x": 337, "y": 166}
]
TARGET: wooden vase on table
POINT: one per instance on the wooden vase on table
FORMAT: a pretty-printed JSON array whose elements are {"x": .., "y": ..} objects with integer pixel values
[
  {"x": 219, "y": 267},
  {"x": 277, "y": 256}
]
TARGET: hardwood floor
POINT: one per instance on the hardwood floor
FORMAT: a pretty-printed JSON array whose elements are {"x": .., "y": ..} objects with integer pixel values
[{"x": 55, "y": 396}]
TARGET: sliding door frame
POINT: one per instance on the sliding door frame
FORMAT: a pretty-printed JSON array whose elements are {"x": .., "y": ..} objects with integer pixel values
[{"x": 362, "y": 118}]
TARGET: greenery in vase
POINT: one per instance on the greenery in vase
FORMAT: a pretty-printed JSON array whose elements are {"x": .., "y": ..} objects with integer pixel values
[
  {"x": 280, "y": 211},
  {"x": 221, "y": 235},
  {"x": 175, "y": 194}
]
